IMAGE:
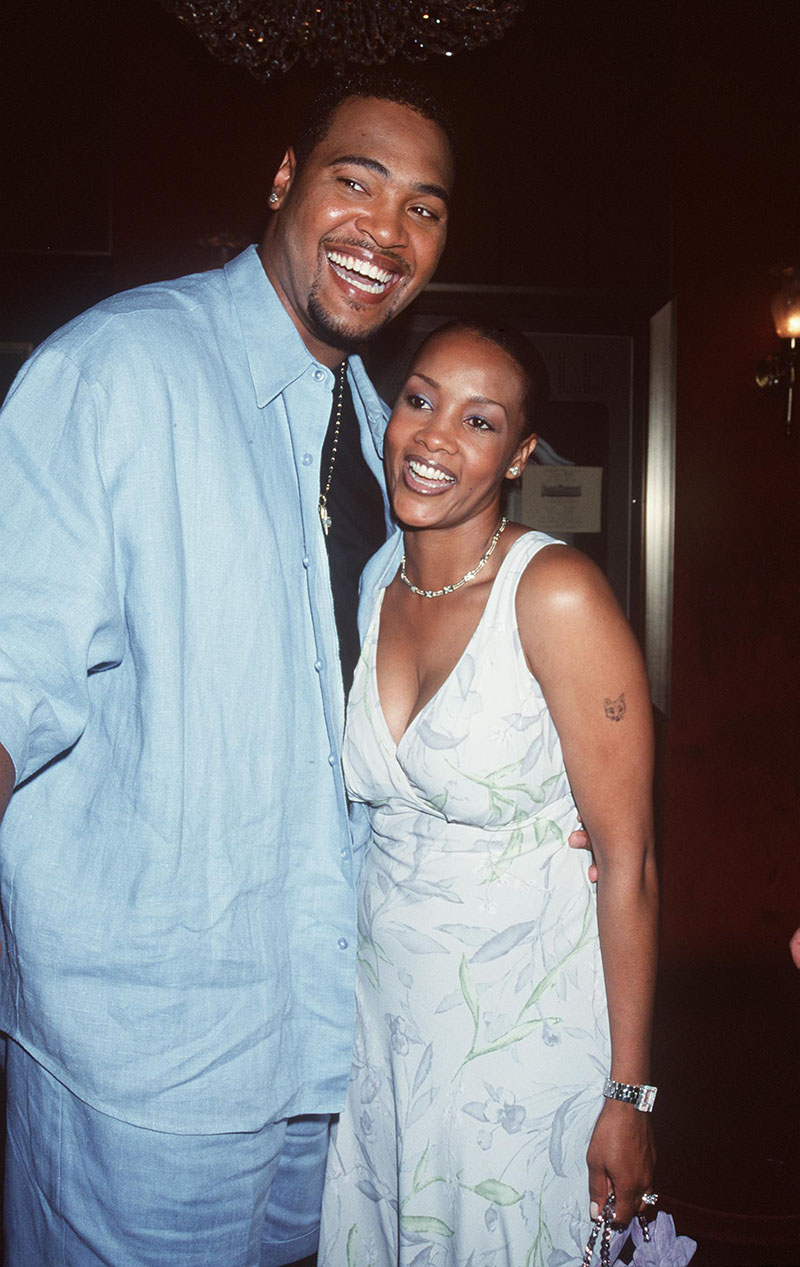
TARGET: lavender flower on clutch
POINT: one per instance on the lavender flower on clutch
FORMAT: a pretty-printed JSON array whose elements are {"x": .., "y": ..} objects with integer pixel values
[
  {"x": 664, "y": 1249},
  {"x": 655, "y": 1243}
]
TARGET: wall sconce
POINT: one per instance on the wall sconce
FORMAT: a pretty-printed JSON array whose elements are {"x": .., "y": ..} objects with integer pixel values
[{"x": 780, "y": 370}]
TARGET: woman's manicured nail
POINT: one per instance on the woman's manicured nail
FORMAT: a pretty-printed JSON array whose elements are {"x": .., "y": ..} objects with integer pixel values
[{"x": 594, "y": 1210}]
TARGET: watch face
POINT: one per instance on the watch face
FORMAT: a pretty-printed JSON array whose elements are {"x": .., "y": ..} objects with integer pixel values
[{"x": 646, "y": 1099}]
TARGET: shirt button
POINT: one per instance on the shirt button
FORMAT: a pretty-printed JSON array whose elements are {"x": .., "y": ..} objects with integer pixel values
[
  {"x": 318, "y": 665},
  {"x": 342, "y": 853},
  {"x": 331, "y": 758},
  {"x": 319, "y": 376},
  {"x": 306, "y": 560},
  {"x": 306, "y": 459},
  {"x": 342, "y": 943}
]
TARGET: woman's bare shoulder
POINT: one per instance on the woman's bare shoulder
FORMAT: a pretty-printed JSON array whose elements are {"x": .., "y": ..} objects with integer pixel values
[
  {"x": 559, "y": 578},
  {"x": 567, "y": 613}
]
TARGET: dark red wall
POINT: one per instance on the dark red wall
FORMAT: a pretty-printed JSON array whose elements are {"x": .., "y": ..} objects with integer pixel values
[{"x": 731, "y": 778}]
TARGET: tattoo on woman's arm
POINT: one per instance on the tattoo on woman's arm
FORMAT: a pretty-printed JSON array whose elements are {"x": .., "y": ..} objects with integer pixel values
[{"x": 614, "y": 708}]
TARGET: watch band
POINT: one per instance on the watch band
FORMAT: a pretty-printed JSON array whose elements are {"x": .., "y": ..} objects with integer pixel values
[{"x": 641, "y": 1097}]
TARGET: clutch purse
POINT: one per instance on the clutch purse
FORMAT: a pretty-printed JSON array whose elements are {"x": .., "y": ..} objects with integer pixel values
[{"x": 655, "y": 1243}]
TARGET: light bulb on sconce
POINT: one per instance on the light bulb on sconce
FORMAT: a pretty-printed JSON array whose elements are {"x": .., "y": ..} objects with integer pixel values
[{"x": 779, "y": 371}]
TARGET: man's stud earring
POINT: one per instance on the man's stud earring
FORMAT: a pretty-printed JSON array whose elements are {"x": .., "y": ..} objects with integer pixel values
[
  {"x": 513, "y": 471},
  {"x": 273, "y": 196}
]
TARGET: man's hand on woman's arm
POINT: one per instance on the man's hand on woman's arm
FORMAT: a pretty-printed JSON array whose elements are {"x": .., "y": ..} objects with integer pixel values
[{"x": 579, "y": 839}]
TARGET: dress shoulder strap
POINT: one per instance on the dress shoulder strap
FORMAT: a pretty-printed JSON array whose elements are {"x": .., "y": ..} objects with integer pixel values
[{"x": 504, "y": 590}]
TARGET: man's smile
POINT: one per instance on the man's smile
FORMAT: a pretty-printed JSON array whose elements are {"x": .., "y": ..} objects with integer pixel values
[{"x": 362, "y": 274}]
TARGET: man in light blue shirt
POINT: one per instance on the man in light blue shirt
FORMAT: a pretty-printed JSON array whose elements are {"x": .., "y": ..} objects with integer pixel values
[{"x": 176, "y": 864}]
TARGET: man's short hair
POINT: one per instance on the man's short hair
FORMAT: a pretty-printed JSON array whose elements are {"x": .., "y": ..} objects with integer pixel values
[{"x": 368, "y": 83}]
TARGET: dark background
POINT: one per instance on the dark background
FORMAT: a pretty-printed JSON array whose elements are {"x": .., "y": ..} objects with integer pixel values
[{"x": 633, "y": 150}]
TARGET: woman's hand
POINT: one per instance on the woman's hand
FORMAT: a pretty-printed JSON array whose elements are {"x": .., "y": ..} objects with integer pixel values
[{"x": 621, "y": 1160}]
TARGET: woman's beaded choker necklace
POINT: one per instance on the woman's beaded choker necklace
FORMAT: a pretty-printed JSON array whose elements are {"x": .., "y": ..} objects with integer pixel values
[{"x": 449, "y": 589}]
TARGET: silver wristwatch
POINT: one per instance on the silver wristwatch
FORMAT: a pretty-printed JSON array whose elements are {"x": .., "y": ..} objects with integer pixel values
[{"x": 641, "y": 1097}]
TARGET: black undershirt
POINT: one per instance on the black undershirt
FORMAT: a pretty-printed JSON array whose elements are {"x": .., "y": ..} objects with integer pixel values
[{"x": 358, "y": 526}]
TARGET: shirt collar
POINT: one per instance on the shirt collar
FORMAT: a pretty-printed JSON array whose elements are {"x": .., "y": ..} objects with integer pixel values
[{"x": 275, "y": 352}]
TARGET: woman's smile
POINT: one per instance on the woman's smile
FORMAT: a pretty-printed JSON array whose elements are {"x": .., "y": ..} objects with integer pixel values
[{"x": 427, "y": 478}]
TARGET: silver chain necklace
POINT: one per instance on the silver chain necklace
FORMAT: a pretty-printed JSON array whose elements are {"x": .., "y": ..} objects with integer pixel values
[
  {"x": 325, "y": 518},
  {"x": 449, "y": 589}
]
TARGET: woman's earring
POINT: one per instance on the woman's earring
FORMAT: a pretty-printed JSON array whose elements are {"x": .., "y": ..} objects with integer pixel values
[
  {"x": 273, "y": 196},
  {"x": 513, "y": 471}
]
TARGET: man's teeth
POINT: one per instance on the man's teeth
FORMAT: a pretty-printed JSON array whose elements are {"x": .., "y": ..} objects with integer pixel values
[
  {"x": 360, "y": 266},
  {"x": 377, "y": 278},
  {"x": 429, "y": 472}
]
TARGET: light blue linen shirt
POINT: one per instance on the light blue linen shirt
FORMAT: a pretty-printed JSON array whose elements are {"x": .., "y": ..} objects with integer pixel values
[{"x": 177, "y": 871}]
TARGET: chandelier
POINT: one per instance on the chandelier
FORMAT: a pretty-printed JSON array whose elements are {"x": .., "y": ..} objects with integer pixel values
[{"x": 268, "y": 36}]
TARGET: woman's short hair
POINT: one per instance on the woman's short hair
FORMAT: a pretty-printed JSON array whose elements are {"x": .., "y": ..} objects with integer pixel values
[{"x": 516, "y": 345}]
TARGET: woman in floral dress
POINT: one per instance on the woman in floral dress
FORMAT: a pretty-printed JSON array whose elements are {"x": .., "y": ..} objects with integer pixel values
[{"x": 499, "y": 691}]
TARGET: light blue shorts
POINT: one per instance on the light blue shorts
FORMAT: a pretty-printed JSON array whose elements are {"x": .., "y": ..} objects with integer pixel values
[{"x": 83, "y": 1189}]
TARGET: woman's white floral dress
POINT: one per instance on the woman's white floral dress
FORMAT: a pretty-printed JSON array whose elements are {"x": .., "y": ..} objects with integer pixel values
[{"x": 481, "y": 1033}]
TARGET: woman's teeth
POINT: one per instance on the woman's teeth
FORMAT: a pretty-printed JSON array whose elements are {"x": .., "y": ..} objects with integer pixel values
[{"x": 422, "y": 471}]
